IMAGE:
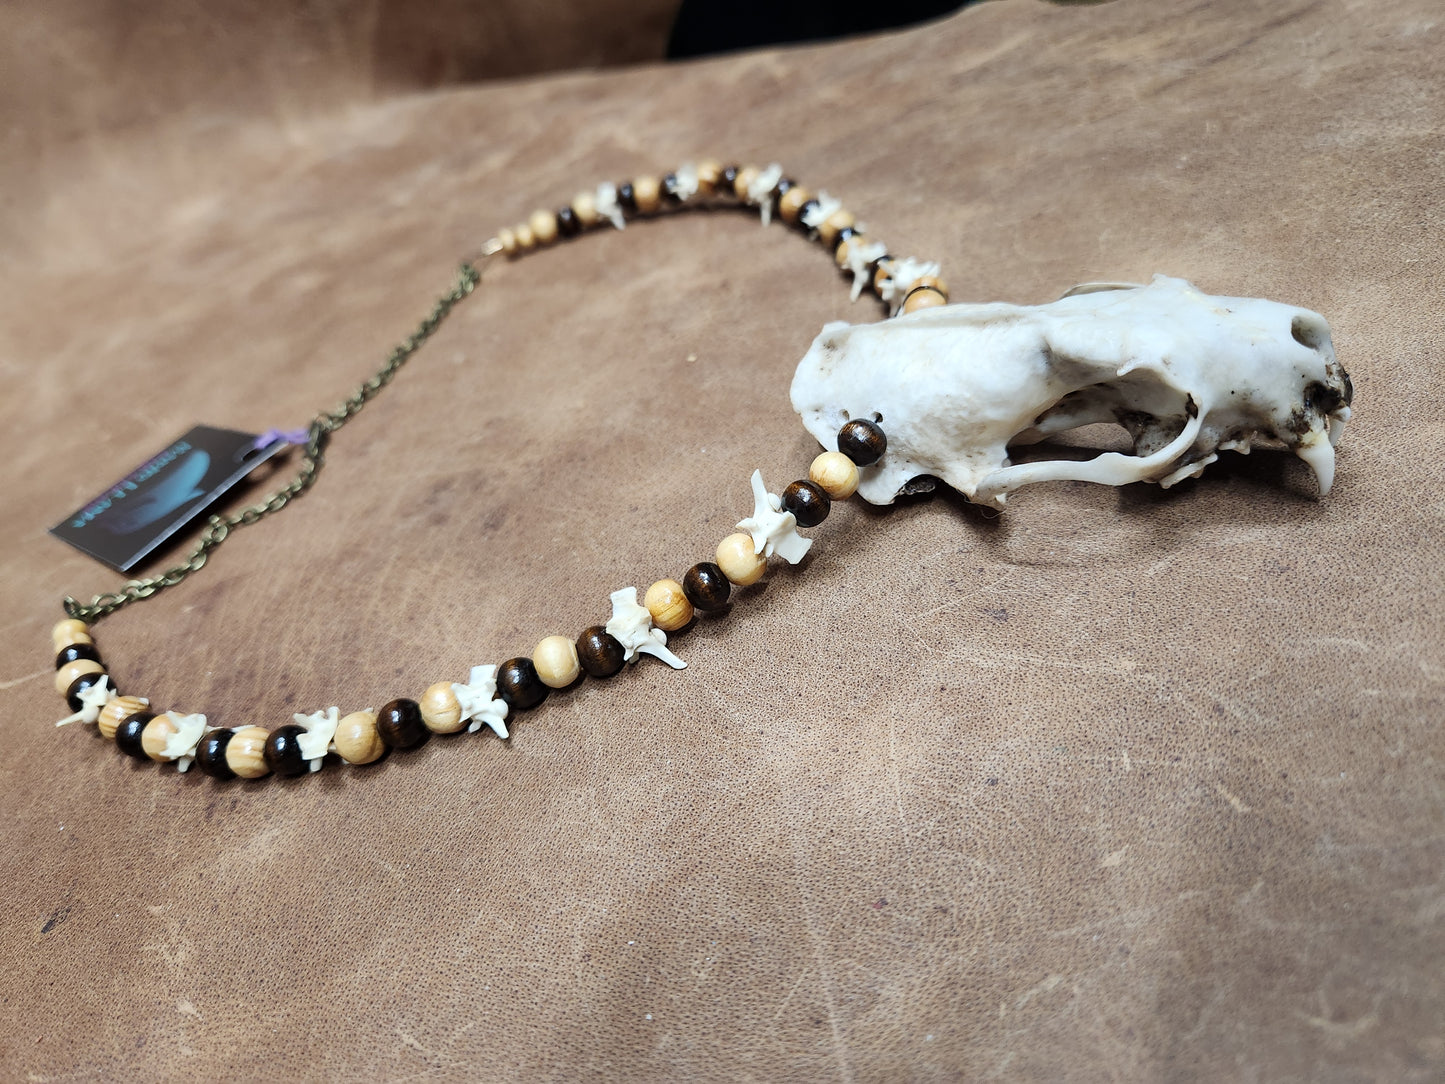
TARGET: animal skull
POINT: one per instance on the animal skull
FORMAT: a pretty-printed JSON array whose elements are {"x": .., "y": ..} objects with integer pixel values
[{"x": 1185, "y": 373}]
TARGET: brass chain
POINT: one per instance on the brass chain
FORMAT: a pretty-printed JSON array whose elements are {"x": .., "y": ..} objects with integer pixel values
[{"x": 218, "y": 528}]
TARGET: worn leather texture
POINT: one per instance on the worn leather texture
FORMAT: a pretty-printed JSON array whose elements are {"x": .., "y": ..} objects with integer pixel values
[{"x": 1118, "y": 785}]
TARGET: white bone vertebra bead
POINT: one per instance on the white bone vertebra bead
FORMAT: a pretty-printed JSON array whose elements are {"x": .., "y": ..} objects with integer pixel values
[
  {"x": 320, "y": 727},
  {"x": 684, "y": 182},
  {"x": 480, "y": 703},
  {"x": 773, "y": 531},
  {"x": 607, "y": 205},
  {"x": 825, "y": 207},
  {"x": 181, "y": 743},
  {"x": 859, "y": 263},
  {"x": 760, "y": 190},
  {"x": 92, "y": 700},
  {"x": 899, "y": 277},
  {"x": 631, "y": 626}
]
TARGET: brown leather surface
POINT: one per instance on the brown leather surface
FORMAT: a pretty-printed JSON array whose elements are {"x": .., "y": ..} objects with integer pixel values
[
  {"x": 1118, "y": 785},
  {"x": 83, "y": 66},
  {"x": 87, "y": 85}
]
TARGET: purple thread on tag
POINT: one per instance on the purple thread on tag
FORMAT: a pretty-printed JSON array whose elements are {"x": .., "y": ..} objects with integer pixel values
[{"x": 286, "y": 436}]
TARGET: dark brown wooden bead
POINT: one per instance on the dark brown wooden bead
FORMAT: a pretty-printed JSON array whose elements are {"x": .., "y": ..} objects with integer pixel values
[
  {"x": 808, "y": 207},
  {"x": 599, "y": 652},
  {"x": 706, "y": 587},
  {"x": 862, "y": 441},
  {"x": 283, "y": 750},
  {"x": 400, "y": 724},
  {"x": 808, "y": 502},
  {"x": 128, "y": 734},
  {"x": 843, "y": 235},
  {"x": 669, "y": 183},
  {"x": 568, "y": 224},
  {"x": 211, "y": 754},
  {"x": 728, "y": 180},
  {"x": 79, "y": 685},
  {"x": 75, "y": 652},
  {"x": 782, "y": 189},
  {"x": 519, "y": 685},
  {"x": 627, "y": 198}
]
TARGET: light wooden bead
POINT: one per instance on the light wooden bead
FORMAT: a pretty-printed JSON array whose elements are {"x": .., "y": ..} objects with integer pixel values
[
  {"x": 925, "y": 297},
  {"x": 525, "y": 240},
  {"x": 744, "y": 180},
  {"x": 932, "y": 282},
  {"x": 508, "y": 240},
  {"x": 739, "y": 561},
  {"x": 357, "y": 740},
  {"x": 668, "y": 605},
  {"x": 154, "y": 737},
  {"x": 440, "y": 710},
  {"x": 709, "y": 173},
  {"x": 556, "y": 662},
  {"x": 114, "y": 713},
  {"x": 246, "y": 752},
  {"x": 836, "y": 473},
  {"x": 584, "y": 206},
  {"x": 647, "y": 194},
  {"x": 66, "y": 675},
  {"x": 544, "y": 226},
  {"x": 70, "y": 631},
  {"x": 835, "y": 224},
  {"x": 791, "y": 202}
]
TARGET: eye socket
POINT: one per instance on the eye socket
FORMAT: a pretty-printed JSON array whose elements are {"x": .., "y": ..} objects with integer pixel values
[{"x": 1309, "y": 331}]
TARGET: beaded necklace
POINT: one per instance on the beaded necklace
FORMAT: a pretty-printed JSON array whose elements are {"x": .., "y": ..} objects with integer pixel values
[{"x": 492, "y": 695}]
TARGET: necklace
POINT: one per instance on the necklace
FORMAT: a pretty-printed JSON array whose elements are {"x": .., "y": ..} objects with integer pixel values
[
  {"x": 1186, "y": 374},
  {"x": 493, "y": 694}
]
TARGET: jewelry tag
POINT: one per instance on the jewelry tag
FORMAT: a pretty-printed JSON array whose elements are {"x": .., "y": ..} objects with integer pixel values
[{"x": 126, "y": 522}]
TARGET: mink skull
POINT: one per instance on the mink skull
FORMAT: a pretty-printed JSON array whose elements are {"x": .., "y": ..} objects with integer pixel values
[{"x": 1186, "y": 374}]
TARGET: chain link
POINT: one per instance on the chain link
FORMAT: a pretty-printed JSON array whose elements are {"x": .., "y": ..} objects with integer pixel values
[{"x": 313, "y": 457}]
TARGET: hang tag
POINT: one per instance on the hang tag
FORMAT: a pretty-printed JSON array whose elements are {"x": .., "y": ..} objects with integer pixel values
[{"x": 129, "y": 520}]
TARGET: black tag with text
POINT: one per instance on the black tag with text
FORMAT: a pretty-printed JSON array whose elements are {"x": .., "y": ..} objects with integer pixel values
[{"x": 151, "y": 503}]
